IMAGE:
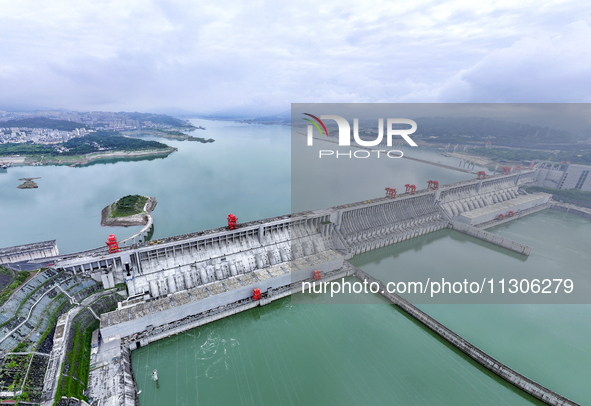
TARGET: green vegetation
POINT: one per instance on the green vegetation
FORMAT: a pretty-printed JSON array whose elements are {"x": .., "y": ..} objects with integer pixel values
[
  {"x": 75, "y": 382},
  {"x": 13, "y": 372},
  {"x": 573, "y": 196},
  {"x": 480, "y": 129},
  {"x": 128, "y": 206},
  {"x": 523, "y": 155},
  {"x": 73, "y": 378},
  {"x": 162, "y": 119},
  {"x": 94, "y": 142},
  {"x": 21, "y": 277},
  {"x": 42, "y": 122},
  {"x": 27, "y": 298},
  {"x": 21, "y": 346},
  {"x": 53, "y": 319},
  {"x": 6, "y": 271},
  {"x": 110, "y": 140},
  {"x": 181, "y": 134},
  {"x": 201, "y": 139},
  {"x": 177, "y": 135}
]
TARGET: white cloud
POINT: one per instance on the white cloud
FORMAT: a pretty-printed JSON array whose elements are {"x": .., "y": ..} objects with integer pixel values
[
  {"x": 533, "y": 69},
  {"x": 208, "y": 56}
]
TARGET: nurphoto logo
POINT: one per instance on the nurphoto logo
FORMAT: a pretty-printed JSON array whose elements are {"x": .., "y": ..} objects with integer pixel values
[{"x": 345, "y": 135}]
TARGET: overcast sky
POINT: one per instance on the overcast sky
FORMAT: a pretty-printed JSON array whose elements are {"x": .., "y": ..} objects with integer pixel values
[{"x": 212, "y": 56}]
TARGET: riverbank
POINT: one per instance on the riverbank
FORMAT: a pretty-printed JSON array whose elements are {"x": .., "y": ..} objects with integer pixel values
[{"x": 81, "y": 160}]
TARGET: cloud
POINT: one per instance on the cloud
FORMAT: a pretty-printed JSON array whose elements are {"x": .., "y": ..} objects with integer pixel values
[
  {"x": 538, "y": 69},
  {"x": 229, "y": 54}
]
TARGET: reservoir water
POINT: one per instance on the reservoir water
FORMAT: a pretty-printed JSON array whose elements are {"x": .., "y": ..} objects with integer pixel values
[
  {"x": 329, "y": 354},
  {"x": 316, "y": 354}
]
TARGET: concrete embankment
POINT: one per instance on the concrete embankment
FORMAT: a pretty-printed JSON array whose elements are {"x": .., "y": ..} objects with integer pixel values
[
  {"x": 527, "y": 385},
  {"x": 195, "y": 320},
  {"x": 518, "y": 215},
  {"x": 492, "y": 238},
  {"x": 571, "y": 208}
]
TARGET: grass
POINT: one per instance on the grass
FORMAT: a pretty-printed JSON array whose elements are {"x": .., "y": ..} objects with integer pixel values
[
  {"x": 27, "y": 298},
  {"x": 21, "y": 277},
  {"x": 76, "y": 382},
  {"x": 128, "y": 206},
  {"x": 52, "y": 319},
  {"x": 6, "y": 271}
]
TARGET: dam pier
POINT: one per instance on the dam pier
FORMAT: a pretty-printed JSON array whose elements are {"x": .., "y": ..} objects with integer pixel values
[{"x": 186, "y": 281}]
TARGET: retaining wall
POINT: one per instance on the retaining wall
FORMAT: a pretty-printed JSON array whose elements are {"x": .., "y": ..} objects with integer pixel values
[
  {"x": 492, "y": 238},
  {"x": 569, "y": 208}
]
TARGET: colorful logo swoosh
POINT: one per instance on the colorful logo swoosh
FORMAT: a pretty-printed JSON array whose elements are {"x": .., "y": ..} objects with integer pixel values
[{"x": 320, "y": 121}]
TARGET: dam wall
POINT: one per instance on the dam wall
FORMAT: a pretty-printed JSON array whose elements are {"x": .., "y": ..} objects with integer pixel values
[
  {"x": 152, "y": 334},
  {"x": 527, "y": 385},
  {"x": 509, "y": 208},
  {"x": 27, "y": 252},
  {"x": 490, "y": 237},
  {"x": 139, "y": 314},
  {"x": 389, "y": 221},
  {"x": 456, "y": 199},
  {"x": 181, "y": 263},
  {"x": 184, "y": 276}
]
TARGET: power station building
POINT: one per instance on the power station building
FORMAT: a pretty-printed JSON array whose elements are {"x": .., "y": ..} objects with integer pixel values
[{"x": 564, "y": 176}]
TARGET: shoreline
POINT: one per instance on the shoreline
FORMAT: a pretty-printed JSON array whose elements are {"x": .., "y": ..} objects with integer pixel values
[
  {"x": 176, "y": 134},
  {"x": 80, "y": 160}
]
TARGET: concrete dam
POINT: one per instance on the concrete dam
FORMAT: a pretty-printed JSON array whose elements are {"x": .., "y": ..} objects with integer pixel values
[{"x": 185, "y": 281}]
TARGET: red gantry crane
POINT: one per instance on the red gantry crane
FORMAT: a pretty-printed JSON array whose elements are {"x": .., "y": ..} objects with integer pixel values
[
  {"x": 410, "y": 188},
  {"x": 232, "y": 221},
  {"x": 112, "y": 244},
  {"x": 390, "y": 192}
]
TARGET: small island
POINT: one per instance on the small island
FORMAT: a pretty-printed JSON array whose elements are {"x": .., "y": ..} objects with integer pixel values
[
  {"x": 29, "y": 184},
  {"x": 181, "y": 136},
  {"x": 171, "y": 134},
  {"x": 131, "y": 210}
]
